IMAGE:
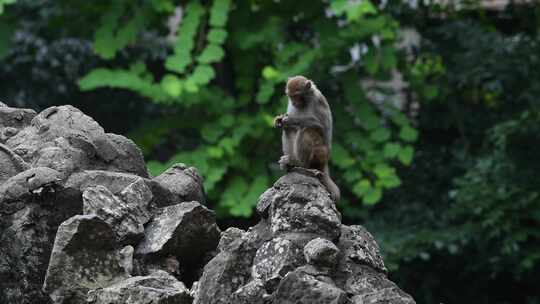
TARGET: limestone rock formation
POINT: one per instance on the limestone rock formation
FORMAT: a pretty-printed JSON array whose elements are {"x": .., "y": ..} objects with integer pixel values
[
  {"x": 81, "y": 221},
  {"x": 64, "y": 181},
  {"x": 298, "y": 253}
]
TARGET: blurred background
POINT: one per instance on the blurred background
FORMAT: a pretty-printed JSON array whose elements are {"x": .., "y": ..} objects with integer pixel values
[{"x": 435, "y": 104}]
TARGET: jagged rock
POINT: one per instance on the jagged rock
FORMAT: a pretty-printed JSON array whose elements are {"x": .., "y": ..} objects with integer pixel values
[
  {"x": 67, "y": 140},
  {"x": 359, "y": 247},
  {"x": 28, "y": 184},
  {"x": 12, "y": 164},
  {"x": 85, "y": 256},
  {"x": 300, "y": 204},
  {"x": 15, "y": 118},
  {"x": 274, "y": 259},
  {"x": 251, "y": 293},
  {"x": 230, "y": 269},
  {"x": 299, "y": 287},
  {"x": 32, "y": 205},
  {"x": 370, "y": 286},
  {"x": 228, "y": 237},
  {"x": 157, "y": 288},
  {"x": 126, "y": 219},
  {"x": 186, "y": 232},
  {"x": 184, "y": 183},
  {"x": 321, "y": 252}
]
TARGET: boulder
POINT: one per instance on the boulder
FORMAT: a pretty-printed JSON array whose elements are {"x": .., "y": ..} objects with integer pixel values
[
  {"x": 299, "y": 287},
  {"x": 299, "y": 203},
  {"x": 157, "y": 288},
  {"x": 321, "y": 252},
  {"x": 273, "y": 260},
  {"x": 85, "y": 256},
  {"x": 127, "y": 219},
  {"x": 184, "y": 183}
]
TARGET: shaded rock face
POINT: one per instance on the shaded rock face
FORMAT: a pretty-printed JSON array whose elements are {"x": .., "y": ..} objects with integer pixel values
[
  {"x": 82, "y": 222},
  {"x": 64, "y": 181},
  {"x": 299, "y": 253}
]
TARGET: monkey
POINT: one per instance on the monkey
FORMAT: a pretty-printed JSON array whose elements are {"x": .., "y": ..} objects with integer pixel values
[{"x": 307, "y": 132}]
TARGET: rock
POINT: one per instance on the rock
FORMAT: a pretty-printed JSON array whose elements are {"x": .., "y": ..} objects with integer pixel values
[
  {"x": 126, "y": 219},
  {"x": 274, "y": 259},
  {"x": 230, "y": 268},
  {"x": 65, "y": 139},
  {"x": 157, "y": 288},
  {"x": 300, "y": 204},
  {"x": 228, "y": 237},
  {"x": 359, "y": 247},
  {"x": 186, "y": 232},
  {"x": 370, "y": 286},
  {"x": 299, "y": 287},
  {"x": 321, "y": 252},
  {"x": 11, "y": 164},
  {"x": 15, "y": 118},
  {"x": 85, "y": 256},
  {"x": 251, "y": 293},
  {"x": 184, "y": 183},
  {"x": 29, "y": 184}
]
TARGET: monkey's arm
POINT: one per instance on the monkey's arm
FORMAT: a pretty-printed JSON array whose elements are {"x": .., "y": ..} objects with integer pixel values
[{"x": 302, "y": 121}]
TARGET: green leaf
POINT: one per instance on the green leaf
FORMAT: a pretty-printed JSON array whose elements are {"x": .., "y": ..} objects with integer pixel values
[
  {"x": 391, "y": 150},
  {"x": 191, "y": 86},
  {"x": 219, "y": 13},
  {"x": 203, "y": 74},
  {"x": 389, "y": 58},
  {"x": 409, "y": 134},
  {"x": 5, "y": 2},
  {"x": 217, "y": 36},
  {"x": 212, "y": 53},
  {"x": 265, "y": 92},
  {"x": 358, "y": 10},
  {"x": 339, "y": 6},
  {"x": 172, "y": 85},
  {"x": 372, "y": 196},
  {"x": 371, "y": 61},
  {"x": 406, "y": 155},
  {"x": 341, "y": 157},
  {"x": 123, "y": 79},
  {"x": 362, "y": 187},
  {"x": 270, "y": 73},
  {"x": 380, "y": 134}
]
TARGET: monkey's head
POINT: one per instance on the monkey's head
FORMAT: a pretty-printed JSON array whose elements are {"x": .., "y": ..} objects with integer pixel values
[{"x": 298, "y": 88}]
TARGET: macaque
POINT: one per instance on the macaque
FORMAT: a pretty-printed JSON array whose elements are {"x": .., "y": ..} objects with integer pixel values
[{"x": 307, "y": 132}]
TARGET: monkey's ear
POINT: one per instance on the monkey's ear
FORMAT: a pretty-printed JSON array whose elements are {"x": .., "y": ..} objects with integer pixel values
[{"x": 308, "y": 85}]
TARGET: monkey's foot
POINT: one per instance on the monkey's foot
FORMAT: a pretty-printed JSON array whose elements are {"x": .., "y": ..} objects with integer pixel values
[
  {"x": 284, "y": 163},
  {"x": 310, "y": 172}
]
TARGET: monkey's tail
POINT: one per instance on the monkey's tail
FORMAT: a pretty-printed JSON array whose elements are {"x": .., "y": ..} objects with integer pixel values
[{"x": 335, "y": 194}]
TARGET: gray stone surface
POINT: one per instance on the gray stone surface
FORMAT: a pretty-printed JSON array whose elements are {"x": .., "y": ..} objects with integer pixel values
[
  {"x": 12, "y": 164},
  {"x": 299, "y": 287},
  {"x": 184, "y": 230},
  {"x": 65, "y": 139},
  {"x": 157, "y": 288},
  {"x": 126, "y": 219},
  {"x": 184, "y": 183},
  {"x": 300, "y": 204},
  {"x": 321, "y": 252},
  {"x": 274, "y": 259},
  {"x": 85, "y": 256}
]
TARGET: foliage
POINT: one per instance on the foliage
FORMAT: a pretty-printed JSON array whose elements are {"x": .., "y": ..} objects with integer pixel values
[{"x": 371, "y": 134}]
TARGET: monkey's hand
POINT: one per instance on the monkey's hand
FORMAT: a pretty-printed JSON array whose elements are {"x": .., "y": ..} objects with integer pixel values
[{"x": 278, "y": 121}]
